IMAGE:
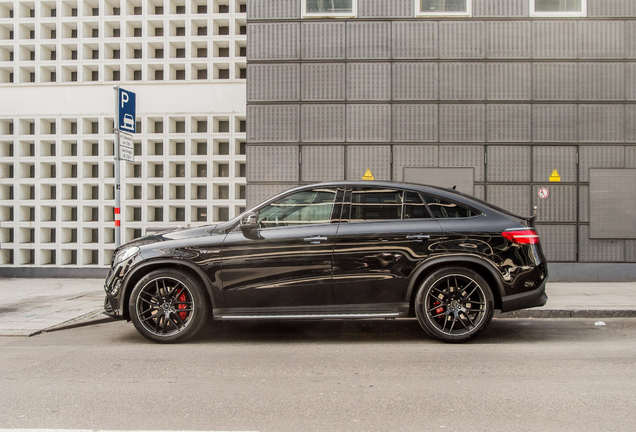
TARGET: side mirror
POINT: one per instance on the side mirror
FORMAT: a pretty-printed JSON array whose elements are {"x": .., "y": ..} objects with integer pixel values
[{"x": 249, "y": 222}]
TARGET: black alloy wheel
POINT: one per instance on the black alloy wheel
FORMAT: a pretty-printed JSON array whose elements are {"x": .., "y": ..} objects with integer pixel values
[
  {"x": 168, "y": 306},
  {"x": 454, "y": 304}
]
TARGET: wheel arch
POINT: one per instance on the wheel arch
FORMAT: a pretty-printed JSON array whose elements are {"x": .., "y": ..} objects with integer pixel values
[
  {"x": 485, "y": 270},
  {"x": 163, "y": 264}
]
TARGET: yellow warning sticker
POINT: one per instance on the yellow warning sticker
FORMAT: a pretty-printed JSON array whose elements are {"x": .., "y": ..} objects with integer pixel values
[
  {"x": 367, "y": 175},
  {"x": 555, "y": 177}
]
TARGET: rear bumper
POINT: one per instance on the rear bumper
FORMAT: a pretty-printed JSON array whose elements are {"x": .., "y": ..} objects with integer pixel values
[{"x": 528, "y": 299}]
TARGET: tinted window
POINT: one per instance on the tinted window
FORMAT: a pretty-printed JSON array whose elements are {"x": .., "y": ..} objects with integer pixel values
[
  {"x": 306, "y": 207},
  {"x": 414, "y": 207},
  {"x": 374, "y": 204},
  {"x": 442, "y": 208}
]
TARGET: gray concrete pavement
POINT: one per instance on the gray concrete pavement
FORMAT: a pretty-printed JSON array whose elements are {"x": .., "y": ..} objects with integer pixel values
[{"x": 31, "y": 306}]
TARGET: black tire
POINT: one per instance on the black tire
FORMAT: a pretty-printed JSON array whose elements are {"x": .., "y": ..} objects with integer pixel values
[
  {"x": 454, "y": 304},
  {"x": 168, "y": 306}
]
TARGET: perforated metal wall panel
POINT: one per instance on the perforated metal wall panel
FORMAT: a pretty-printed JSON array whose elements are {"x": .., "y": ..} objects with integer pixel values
[
  {"x": 508, "y": 39},
  {"x": 463, "y": 156},
  {"x": 630, "y": 82},
  {"x": 413, "y": 156},
  {"x": 323, "y": 40},
  {"x": 322, "y": 123},
  {"x": 272, "y": 163},
  {"x": 322, "y": 163},
  {"x": 601, "y": 39},
  {"x": 514, "y": 198},
  {"x": 417, "y": 123},
  {"x": 273, "y": 82},
  {"x": 463, "y": 179},
  {"x": 601, "y": 81},
  {"x": 368, "y": 40},
  {"x": 500, "y": 8},
  {"x": 508, "y": 123},
  {"x": 368, "y": 123},
  {"x": 630, "y": 39},
  {"x": 322, "y": 82},
  {"x": 546, "y": 159},
  {"x": 415, "y": 39},
  {"x": 555, "y": 81},
  {"x": 591, "y": 250},
  {"x": 268, "y": 9},
  {"x": 559, "y": 206},
  {"x": 554, "y": 39},
  {"x": 612, "y": 189},
  {"x": 554, "y": 123},
  {"x": 630, "y": 250},
  {"x": 385, "y": 9},
  {"x": 375, "y": 158},
  {"x": 611, "y": 8},
  {"x": 599, "y": 157},
  {"x": 558, "y": 242},
  {"x": 273, "y": 123},
  {"x": 630, "y": 156},
  {"x": 462, "y": 81},
  {"x": 480, "y": 192},
  {"x": 508, "y": 164},
  {"x": 415, "y": 81},
  {"x": 630, "y": 123},
  {"x": 368, "y": 81},
  {"x": 461, "y": 40},
  {"x": 584, "y": 203},
  {"x": 462, "y": 123},
  {"x": 257, "y": 193},
  {"x": 273, "y": 41},
  {"x": 601, "y": 123},
  {"x": 508, "y": 81}
]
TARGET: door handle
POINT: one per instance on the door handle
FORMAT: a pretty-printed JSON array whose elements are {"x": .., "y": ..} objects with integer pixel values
[
  {"x": 418, "y": 237},
  {"x": 315, "y": 239}
]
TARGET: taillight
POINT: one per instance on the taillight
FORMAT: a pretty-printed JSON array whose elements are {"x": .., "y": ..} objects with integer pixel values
[{"x": 523, "y": 236}]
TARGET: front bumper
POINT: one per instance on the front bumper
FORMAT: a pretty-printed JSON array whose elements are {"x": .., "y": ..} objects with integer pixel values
[{"x": 529, "y": 299}]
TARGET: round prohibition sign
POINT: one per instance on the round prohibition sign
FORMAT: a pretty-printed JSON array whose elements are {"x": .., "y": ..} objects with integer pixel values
[{"x": 543, "y": 193}]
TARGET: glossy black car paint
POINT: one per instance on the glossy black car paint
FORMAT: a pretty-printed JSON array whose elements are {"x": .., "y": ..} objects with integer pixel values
[{"x": 351, "y": 267}]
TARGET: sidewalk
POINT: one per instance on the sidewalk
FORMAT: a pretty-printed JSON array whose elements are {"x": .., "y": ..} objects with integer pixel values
[{"x": 32, "y": 306}]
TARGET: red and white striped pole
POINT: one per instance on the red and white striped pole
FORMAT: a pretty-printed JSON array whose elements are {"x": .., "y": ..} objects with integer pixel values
[{"x": 117, "y": 173}]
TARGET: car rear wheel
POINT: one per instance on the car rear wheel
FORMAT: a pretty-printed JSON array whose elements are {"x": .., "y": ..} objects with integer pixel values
[
  {"x": 168, "y": 306},
  {"x": 454, "y": 304}
]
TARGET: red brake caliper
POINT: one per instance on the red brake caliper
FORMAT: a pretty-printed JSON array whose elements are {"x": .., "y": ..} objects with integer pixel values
[
  {"x": 439, "y": 310},
  {"x": 182, "y": 298}
]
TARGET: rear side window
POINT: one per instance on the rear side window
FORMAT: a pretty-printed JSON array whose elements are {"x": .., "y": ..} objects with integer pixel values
[
  {"x": 445, "y": 209},
  {"x": 375, "y": 204},
  {"x": 414, "y": 207}
]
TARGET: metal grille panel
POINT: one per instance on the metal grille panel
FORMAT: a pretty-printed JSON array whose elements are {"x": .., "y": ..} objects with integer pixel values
[
  {"x": 272, "y": 163},
  {"x": 630, "y": 157},
  {"x": 601, "y": 123},
  {"x": 612, "y": 203},
  {"x": 368, "y": 81},
  {"x": 630, "y": 121},
  {"x": 462, "y": 123},
  {"x": 558, "y": 242},
  {"x": 508, "y": 123},
  {"x": 599, "y": 157},
  {"x": 462, "y": 39},
  {"x": 611, "y": 8},
  {"x": 368, "y": 40},
  {"x": 584, "y": 203},
  {"x": 630, "y": 39},
  {"x": 413, "y": 156},
  {"x": 601, "y": 39},
  {"x": 257, "y": 193},
  {"x": 322, "y": 123},
  {"x": 550, "y": 158},
  {"x": 599, "y": 250},
  {"x": 273, "y": 82},
  {"x": 463, "y": 179},
  {"x": 322, "y": 163},
  {"x": 555, "y": 81},
  {"x": 509, "y": 81},
  {"x": 273, "y": 41},
  {"x": 415, "y": 39},
  {"x": 554, "y": 39},
  {"x": 375, "y": 158},
  {"x": 273, "y": 123},
  {"x": 601, "y": 81},
  {"x": 462, "y": 81},
  {"x": 323, "y": 40},
  {"x": 508, "y": 164},
  {"x": 630, "y": 250},
  {"x": 368, "y": 123},
  {"x": 559, "y": 206},
  {"x": 385, "y": 9},
  {"x": 267, "y": 9},
  {"x": 514, "y": 198},
  {"x": 500, "y": 8},
  {"x": 322, "y": 82},
  {"x": 415, "y": 81},
  {"x": 463, "y": 156},
  {"x": 554, "y": 123},
  {"x": 508, "y": 39},
  {"x": 415, "y": 123},
  {"x": 630, "y": 83}
]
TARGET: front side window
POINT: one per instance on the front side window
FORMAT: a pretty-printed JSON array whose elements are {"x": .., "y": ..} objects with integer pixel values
[
  {"x": 321, "y": 8},
  {"x": 307, "y": 207},
  {"x": 555, "y": 8},
  {"x": 443, "y": 7}
]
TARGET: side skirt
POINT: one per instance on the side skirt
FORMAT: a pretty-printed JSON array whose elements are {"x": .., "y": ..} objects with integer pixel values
[{"x": 364, "y": 311}]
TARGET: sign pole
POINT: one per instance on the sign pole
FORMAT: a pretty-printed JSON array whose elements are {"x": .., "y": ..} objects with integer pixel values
[{"x": 117, "y": 173}]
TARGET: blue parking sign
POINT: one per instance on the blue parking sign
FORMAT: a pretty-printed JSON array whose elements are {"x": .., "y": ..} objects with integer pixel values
[{"x": 126, "y": 110}]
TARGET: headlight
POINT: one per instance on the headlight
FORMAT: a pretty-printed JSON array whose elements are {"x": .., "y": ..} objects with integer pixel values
[{"x": 124, "y": 254}]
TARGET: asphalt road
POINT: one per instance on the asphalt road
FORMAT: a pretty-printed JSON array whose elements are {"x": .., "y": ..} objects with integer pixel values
[{"x": 520, "y": 375}]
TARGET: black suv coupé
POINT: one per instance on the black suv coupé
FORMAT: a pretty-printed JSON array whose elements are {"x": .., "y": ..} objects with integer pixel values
[{"x": 335, "y": 251}]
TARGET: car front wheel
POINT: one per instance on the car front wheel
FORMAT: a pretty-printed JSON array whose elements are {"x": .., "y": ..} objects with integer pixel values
[
  {"x": 454, "y": 304},
  {"x": 168, "y": 306}
]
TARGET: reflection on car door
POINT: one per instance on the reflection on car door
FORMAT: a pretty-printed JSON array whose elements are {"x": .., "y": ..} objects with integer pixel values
[
  {"x": 383, "y": 235},
  {"x": 287, "y": 260}
]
